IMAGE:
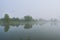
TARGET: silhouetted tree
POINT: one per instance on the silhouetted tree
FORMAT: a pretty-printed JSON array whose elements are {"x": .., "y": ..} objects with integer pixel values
[
  {"x": 6, "y": 18},
  {"x": 28, "y": 18}
]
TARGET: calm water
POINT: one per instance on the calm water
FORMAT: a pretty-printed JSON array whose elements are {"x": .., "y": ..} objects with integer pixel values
[{"x": 27, "y": 31}]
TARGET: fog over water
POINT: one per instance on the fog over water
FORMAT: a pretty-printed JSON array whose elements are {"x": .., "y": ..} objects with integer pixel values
[{"x": 36, "y": 8}]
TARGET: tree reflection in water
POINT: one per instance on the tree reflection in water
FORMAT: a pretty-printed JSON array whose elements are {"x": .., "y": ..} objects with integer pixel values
[
  {"x": 53, "y": 23},
  {"x": 28, "y": 26},
  {"x": 6, "y": 28}
]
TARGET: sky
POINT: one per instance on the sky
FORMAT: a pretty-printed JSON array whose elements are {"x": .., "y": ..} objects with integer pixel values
[{"x": 36, "y": 8}]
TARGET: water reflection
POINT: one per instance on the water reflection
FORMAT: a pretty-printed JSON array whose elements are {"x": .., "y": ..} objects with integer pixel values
[
  {"x": 41, "y": 24},
  {"x": 27, "y": 26},
  {"x": 6, "y": 28},
  {"x": 53, "y": 23}
]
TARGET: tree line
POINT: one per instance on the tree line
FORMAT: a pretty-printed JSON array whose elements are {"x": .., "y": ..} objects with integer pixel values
[{"x": 7, "y": 20}]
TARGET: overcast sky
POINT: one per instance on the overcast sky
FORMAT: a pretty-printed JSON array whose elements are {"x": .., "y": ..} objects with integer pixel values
[{"x": 36, "y": 8}]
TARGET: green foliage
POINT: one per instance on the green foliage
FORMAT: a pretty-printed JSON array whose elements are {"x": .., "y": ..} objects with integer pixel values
[
  {"x": 28, "y": 18},
  {"x": 6, "y": 18},
  {"x": 14, "y": 21}
]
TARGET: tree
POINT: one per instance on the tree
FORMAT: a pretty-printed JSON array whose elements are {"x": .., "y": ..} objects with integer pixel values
[
  {"x": 15, "y": 19},
  {"x": 6, "y": 19},
  {"x": 27, "y": 18}
]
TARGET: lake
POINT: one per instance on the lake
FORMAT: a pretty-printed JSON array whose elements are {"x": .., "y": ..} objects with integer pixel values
[{"x": 37, "y": 31}]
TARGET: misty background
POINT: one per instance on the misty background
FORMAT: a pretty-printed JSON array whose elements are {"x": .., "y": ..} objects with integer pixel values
[{"x": 45, "y": 9}]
